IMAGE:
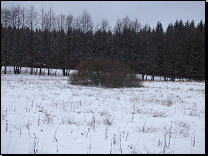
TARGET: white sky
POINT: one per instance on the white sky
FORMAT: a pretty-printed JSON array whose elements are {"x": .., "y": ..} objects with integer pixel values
[{"x": 146, "y": 12}]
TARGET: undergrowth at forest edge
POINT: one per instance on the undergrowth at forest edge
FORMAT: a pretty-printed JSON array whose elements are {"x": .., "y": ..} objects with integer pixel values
[{"x": 104, "y": 72}]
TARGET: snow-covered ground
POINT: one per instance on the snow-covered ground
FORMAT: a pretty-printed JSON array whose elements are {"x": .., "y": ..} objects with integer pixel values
[{"x": 45, "y": 114}]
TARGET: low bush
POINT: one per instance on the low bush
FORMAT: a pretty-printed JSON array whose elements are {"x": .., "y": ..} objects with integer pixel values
[{"x": 104, "y": 72}]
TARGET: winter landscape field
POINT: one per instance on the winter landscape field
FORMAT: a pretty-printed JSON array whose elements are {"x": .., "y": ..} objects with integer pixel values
[{"x": 46, "y": 114}]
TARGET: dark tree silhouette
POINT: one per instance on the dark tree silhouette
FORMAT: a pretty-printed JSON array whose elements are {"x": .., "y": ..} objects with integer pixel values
[{"x": 44, "y": 40}]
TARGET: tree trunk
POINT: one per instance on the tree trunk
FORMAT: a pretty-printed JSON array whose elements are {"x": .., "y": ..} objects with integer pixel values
[
  {"x": 40, "y": 71},
  {"x": 5, "y": 69},
  {"x": 142, "y": 77},
  {"x": 35, "y": 71},
  {"x": 31, "y": 71},
  {"x": 63, "y": 72},
  {"x": 15, "y": 70},
  {"x": 19, "y": 70}
]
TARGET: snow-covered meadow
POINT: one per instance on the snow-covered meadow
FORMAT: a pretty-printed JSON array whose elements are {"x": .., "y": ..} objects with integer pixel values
[{"x": 45, "y": 114}]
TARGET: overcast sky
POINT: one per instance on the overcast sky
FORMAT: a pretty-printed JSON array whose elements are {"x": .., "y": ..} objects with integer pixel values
[{"x": 146, "y": 12}]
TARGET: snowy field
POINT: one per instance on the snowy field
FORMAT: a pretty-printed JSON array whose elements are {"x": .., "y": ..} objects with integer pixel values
[{"x": 45, "y": 114}]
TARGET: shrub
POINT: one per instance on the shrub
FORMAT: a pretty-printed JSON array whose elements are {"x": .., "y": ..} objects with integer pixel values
[{"x": 104, "y": 72}]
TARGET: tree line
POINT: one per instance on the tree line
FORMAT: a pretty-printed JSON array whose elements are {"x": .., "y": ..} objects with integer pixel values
[{"x": 44, "y": 40}]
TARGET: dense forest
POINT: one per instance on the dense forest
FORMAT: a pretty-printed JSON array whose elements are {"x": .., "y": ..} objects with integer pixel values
[{"x": 41, "y": 39}]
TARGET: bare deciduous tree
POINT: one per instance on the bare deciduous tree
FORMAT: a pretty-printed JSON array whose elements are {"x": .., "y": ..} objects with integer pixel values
[
  {"x": 105, "y": 26},
  {"x": 86, "y": 22}
]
